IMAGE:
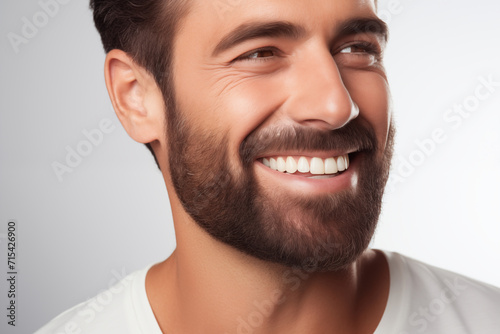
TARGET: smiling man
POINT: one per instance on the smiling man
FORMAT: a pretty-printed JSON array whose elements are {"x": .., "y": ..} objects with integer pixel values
[{"x": 271, "y": 123}]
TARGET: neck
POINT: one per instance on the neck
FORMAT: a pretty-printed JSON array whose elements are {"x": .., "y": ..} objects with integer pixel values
[{"x": 209, "y": 287}]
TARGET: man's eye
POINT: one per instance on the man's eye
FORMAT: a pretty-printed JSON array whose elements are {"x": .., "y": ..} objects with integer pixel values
[
  {"x": 364, "y": 48},
  {"x": 353, "y": 49},
  {"x": 359, "y": 55},
  {"x": 260, "y": 54}
]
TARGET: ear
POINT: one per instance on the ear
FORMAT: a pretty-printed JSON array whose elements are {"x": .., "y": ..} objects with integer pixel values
[{"x": 135, "y": 96}]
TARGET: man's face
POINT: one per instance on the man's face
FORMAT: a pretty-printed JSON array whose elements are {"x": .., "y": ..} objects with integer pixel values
[{"x": 258, "y": 82}]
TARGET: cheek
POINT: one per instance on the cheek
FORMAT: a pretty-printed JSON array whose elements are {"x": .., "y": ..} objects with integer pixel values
[
  {"x": 234, "y": 104},
  {"x": 250, "y": 104},
  {"x": 370, "y": 91}
]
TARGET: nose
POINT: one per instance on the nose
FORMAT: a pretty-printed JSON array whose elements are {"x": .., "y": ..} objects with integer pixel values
[{"x": 318, "y": 96}]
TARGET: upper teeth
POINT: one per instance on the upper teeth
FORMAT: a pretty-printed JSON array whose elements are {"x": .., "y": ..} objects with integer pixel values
[{"x": 308, "y": 165}]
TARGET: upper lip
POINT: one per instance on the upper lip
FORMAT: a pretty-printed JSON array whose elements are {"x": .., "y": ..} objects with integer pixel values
[{"x": 305, "y": 153}]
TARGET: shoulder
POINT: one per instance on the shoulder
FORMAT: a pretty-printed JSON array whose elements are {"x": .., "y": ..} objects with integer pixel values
[
  {"x": 426, "y": 277},
  {"x": 425, "y": 298},
  {"x": 123, "y": 309}
]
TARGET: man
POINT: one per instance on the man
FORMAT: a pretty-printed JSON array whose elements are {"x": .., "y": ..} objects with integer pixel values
[{"x": 271, "y": 124}]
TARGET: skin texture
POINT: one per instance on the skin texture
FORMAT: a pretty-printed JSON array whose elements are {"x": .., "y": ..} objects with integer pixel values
[{"x": 228, "y": 111}]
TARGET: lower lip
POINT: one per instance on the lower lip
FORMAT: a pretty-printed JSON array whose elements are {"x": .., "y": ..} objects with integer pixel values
[{"x": 345, "y": 180}]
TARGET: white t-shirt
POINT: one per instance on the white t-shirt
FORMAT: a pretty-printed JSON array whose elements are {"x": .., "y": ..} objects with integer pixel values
[{"x": 422, "y": 299}]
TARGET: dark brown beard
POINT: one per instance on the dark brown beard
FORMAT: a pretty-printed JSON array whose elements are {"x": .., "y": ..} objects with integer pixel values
[{"x": 225, "y": 199}]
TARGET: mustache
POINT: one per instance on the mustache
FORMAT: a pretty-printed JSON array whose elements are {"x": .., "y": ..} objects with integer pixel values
[{"x": 352, "y": 136}]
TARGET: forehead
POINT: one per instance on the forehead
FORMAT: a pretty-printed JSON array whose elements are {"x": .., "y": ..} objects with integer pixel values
[
  {"x": 227, "y": 12},
  {"x": 207, "y": 21}
]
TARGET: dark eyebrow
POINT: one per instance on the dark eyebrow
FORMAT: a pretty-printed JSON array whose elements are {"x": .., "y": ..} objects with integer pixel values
[
  {"x": 255, "y": 30},
  {"x": 374, "y": 26},
  {"x": 248, "y": 31}
]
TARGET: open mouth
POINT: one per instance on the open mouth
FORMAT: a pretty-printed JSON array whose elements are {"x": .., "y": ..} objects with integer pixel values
[{"x": 311, "y": 167}]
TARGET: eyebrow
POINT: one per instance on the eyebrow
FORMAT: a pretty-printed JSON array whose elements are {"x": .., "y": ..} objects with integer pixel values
[
  {"x": 372, "y": 25},
  {"x": 254, "y": 30}
]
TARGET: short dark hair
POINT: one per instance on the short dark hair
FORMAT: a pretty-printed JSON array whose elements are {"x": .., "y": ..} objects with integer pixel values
[{"x": 144, "y": 29}]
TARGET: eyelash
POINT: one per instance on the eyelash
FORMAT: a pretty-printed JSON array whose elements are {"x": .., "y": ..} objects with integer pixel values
[
  {"x": 368, "y": 47},
  {"x": 246, "y": 56}
]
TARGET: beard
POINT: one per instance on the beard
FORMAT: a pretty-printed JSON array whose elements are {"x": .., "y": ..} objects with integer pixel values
[{"x": 321, "y": 233}]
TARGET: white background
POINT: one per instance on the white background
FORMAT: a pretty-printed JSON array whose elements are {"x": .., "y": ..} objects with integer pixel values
[{"x": 110, "y": 215}]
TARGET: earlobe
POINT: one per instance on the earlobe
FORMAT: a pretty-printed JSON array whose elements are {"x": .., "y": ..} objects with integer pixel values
[{"x": 136, "y": 98}]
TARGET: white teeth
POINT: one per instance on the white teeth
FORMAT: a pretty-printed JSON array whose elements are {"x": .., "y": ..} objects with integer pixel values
[
  {"x": 303, "y": 165},
  {"x": 291, "y": 165},
  {"x": 317, "y": 166},
  {"x": 341, "y": 163},
  {"x": 281, "y": 164},
  {"x": 273, "y": 164},
  {"x": 331, "y": 166}
]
